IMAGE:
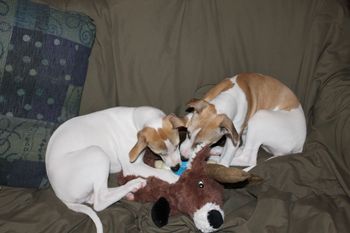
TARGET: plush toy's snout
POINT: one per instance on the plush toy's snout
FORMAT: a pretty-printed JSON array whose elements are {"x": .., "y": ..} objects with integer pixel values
[
  {"x": 209, "y": 218},
  {"x": 215, "y": 218},
  {"x": 201, "y": 203}
]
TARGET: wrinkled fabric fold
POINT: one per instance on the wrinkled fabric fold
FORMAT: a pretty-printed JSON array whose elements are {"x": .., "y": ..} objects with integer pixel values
[{"x": 163, "y": 53}]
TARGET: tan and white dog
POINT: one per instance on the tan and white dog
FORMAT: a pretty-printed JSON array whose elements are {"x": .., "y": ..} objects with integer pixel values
[
  {"x": 253, "y": 110},
  {"x": 83, "y": 151}
]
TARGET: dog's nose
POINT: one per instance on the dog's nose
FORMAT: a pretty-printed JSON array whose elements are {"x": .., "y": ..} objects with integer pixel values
[
  {"x": 184, "y": 154},
  {"x": 184, "y": 159},
  {"x": 175, "y": 168},
  {"x": 215, "y": 219}
]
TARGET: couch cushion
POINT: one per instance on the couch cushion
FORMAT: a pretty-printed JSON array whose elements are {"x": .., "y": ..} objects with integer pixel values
[{"x": 43, "y": 65}]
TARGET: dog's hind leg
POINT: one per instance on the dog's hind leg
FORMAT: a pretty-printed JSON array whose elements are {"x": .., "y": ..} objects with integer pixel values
[
  {"x": 83, "y": 178},
  {"x": 102, "y": 195},
  {"x": 279, "y": 132}
]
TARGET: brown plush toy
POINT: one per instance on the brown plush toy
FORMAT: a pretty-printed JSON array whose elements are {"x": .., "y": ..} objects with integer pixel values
[{"x": 197, "y": 193}]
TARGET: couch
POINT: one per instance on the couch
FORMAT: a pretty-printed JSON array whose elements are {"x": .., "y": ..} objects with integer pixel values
[{"x": 163, "y": 53}]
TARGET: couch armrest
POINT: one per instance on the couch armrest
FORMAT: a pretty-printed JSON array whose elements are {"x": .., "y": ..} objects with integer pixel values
[
  {"x": 324, "y": 164},
  {"x": 330, "y": 126},
  {"x": 329, "y": 119}
]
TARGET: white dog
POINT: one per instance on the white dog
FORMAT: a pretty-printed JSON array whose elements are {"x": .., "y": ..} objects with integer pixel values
[
  {"x": 84, "y": 150},
  {"x": 257, "y": 108}
]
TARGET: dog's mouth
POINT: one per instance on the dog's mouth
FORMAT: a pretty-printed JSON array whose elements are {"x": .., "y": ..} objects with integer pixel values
[{"x": 221, "y": 142}]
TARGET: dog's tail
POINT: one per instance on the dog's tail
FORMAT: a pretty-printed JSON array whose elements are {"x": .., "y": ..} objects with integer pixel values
[{"x": 81, "y": 208}]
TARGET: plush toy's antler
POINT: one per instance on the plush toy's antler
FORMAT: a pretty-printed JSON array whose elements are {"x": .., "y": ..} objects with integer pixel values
[
  {"x": 222, "y": 174},
  {"x": 231, "y": 175}
]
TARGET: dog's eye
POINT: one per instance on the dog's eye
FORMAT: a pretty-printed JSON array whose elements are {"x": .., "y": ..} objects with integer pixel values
[{"x": 201, "y": 184}]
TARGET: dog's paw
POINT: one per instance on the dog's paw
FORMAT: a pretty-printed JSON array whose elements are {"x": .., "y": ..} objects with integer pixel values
[
  {"x": 136, "y": 184},
  {"x": 172, "y": 178},
  {"x": 130, "y": 197}
]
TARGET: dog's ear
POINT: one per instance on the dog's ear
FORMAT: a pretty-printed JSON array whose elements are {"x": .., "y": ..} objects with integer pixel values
[
  {"x": 226, "y": 125},
  {"x": 140, "y": 145},
  {"x": 177, "y": 122},
  {"x": 197, "y": 105},
  {"x": 160, "y": 212}
]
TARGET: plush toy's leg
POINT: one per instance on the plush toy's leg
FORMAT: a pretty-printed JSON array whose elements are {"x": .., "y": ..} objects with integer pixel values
[{"x": 160, "y": 212}]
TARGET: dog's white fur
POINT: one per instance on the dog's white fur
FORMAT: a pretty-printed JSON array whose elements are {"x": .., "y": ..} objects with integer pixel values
[
  {"x": 84, "y": 150},
  {"x": 278, "y": 125}
]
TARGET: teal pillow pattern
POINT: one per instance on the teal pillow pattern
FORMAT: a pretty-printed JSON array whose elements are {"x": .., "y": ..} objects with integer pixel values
[{"x": 43, "y": 63}]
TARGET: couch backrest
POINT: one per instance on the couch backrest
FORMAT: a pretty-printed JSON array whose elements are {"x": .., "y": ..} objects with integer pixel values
[{"x": 163, "y": 53}]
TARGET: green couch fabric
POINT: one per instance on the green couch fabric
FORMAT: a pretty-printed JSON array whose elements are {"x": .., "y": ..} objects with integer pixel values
[{"x": 163, "y": 53}]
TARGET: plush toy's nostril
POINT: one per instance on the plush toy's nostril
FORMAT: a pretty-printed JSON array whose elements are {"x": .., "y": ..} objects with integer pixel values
[
  {"x": 175, "y": 168},
  {"x": 215, "y": 219}
]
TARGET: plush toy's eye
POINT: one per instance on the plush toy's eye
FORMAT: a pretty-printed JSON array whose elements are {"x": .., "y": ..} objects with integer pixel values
[{"x": 201, "y": 184}]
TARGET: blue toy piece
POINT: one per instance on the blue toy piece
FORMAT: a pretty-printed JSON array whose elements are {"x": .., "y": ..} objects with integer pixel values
[{"x": 182, "y": 168}]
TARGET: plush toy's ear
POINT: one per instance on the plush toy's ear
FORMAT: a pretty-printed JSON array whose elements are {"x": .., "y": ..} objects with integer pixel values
[{"x": 160, "y": 212}]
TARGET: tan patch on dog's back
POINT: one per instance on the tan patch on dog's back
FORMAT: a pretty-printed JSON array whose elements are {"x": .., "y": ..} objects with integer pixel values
[
  {"x": 265, "y": 92},
  {"x": 217, "y": 89}
]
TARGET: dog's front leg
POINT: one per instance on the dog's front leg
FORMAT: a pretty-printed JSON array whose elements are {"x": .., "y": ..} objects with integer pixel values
[{"x": 144, "y": 170}]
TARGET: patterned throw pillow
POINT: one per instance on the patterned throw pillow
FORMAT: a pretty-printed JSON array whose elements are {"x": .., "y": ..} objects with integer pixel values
[{"x": 43, "y": 63}]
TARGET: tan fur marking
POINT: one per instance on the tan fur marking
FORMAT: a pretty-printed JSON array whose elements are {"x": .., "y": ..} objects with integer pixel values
[
  {"x": 217, "y": 89},
  {"x": 163, "y": 134},
  {"x": 176, "y": 121},
  {"x": 147, "y": 137},
  {"x": 209, "y": 130},
  {"x": 208, "y": 121},
  {"x": 168, "y": 130},
  {"x": 203, "y": 117},
  {"x": 155, "y": 141},
  {"x": 198, "y": 104},
  {"x": 265, "y": 92}
]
